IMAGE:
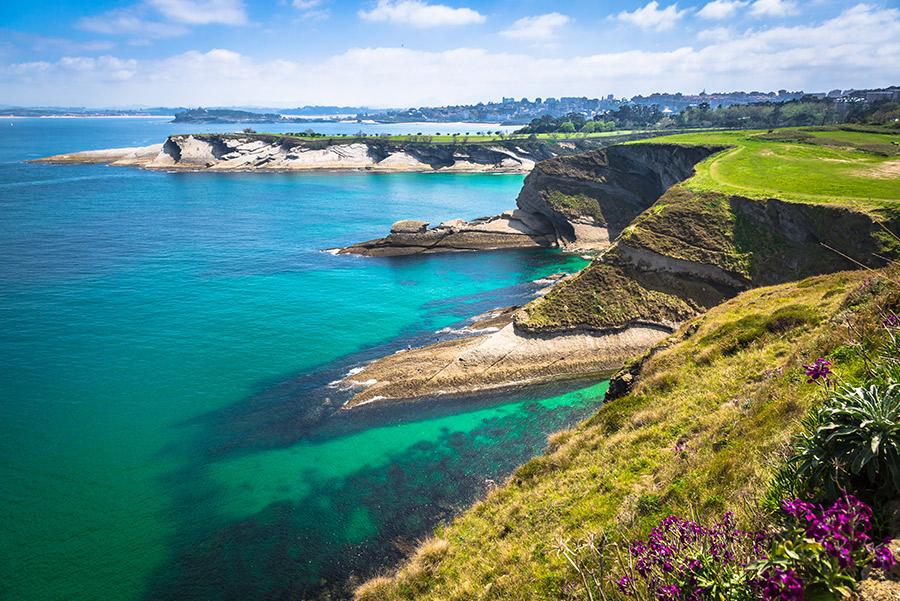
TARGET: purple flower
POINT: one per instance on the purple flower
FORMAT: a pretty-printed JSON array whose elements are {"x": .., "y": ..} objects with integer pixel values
[
  {"x": 842, "y": 529},
  {"x": 884, "y": 558},
  {"x": 624, "y": 584},
  {"x": 781, "y": 585},
  {"x": 679, "y": 554},
  {"x": 818, "y": 369},
  {"x": 891, "y": 321},
  {"x": 669, "y": 592}
]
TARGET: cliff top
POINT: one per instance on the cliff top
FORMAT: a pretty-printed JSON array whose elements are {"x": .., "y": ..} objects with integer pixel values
[{"x": 853, "y": 167}]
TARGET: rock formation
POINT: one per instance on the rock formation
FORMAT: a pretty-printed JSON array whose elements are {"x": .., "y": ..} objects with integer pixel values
[
  {"x": 287, "y": 152},
  {"x": 513, "y": 229},
  {"x": 579, "y": 203}
]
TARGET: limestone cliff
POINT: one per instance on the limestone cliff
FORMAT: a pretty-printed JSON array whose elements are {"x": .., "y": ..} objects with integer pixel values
[
  {"x": 579, "y": 202},
  {"x": 287, "y": 152},
  {"x": 589, "y": 198}
]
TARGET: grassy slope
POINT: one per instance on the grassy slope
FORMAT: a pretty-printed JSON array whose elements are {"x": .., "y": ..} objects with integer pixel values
[
  {"x": 730, "y": 387},
  {"x": 847, "y": 168}
]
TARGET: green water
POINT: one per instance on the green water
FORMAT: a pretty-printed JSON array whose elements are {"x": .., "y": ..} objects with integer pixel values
[{"x": 169, "y": 430}]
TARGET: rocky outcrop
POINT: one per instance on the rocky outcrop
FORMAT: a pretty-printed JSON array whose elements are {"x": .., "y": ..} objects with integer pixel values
[
  {"x": 498, "y": 360},
  {"x": 126, "y": 157},
  {"x": 579, "y": 203},
  {"x": 513, "y": 229},
  {"x": 590, "y": 198}
]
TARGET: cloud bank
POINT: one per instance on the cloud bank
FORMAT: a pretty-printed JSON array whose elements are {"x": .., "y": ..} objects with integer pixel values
[{"x": 858, "y": 48}]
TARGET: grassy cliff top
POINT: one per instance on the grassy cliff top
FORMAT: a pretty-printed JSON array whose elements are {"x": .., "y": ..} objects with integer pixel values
[
  {"x": 699, "y": 434},
  {"x": 854, "y": 168}
]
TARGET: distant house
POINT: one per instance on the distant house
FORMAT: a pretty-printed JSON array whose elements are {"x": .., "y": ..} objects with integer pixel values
[{"x": 888, "y": 94}]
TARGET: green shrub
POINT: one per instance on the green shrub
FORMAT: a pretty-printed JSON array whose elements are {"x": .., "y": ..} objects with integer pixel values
[{"x": 853, "y": 442}]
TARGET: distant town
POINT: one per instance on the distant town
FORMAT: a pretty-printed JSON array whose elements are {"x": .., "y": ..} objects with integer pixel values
[{"x": 508, "y": 111}]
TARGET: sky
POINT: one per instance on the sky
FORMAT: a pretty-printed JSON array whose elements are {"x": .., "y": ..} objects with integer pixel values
[{"x": 398, "y": 53}]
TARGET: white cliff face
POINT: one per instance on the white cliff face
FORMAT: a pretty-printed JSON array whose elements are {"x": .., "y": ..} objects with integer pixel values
[{"x": 227, "y": 153}]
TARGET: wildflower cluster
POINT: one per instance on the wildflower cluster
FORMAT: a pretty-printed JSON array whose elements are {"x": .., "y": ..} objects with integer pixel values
[
  {"x": 682, "y": 560},
  {"x": 842, "y": 530},
  {"x": 822, "y": 549}
]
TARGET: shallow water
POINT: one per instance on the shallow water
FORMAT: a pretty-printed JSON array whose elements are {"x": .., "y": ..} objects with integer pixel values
[{"x": 168, "y": 427}]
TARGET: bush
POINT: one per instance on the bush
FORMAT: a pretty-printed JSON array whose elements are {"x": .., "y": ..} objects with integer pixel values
[{"x": 853, "y": 442}]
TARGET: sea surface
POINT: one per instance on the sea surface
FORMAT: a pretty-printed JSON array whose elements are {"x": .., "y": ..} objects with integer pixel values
[{"x": 169, "y": 425}]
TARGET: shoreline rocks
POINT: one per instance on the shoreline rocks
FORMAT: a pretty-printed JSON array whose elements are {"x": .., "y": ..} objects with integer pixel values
[{"x": 513, "y": 229}]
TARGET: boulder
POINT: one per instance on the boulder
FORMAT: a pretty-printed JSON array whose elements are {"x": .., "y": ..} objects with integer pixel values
[{"x": 409, "y": 226}]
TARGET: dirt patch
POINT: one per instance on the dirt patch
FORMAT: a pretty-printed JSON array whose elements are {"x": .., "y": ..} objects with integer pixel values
[{"x": 885, "y": 170}]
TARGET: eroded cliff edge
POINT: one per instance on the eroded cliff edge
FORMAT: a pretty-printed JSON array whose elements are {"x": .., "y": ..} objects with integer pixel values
[
  {"x": 579, "y": 202},
  {"x": 680, "y": 256},
  {"x": 294, "y": 152}
]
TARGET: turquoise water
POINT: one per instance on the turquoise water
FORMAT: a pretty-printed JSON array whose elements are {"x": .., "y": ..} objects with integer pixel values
[{"x": 168, "y": 427}]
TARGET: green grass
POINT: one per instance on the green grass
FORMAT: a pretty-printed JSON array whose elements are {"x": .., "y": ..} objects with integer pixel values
[
  {"x": 729, "y": 387},
  {"x": 575, "y": 205},
  {"x": 605, "y": 296},
  {"x": 829, "y": 166}
]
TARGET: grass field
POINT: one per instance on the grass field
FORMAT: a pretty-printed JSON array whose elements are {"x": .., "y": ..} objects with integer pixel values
[{"x": 825, "y": 165}]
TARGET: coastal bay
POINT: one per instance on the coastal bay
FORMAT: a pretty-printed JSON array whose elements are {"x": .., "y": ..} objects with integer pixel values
[{"x": 175, "y": 342}]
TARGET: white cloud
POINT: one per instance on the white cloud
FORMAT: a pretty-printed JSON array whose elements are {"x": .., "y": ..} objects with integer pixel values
[
  {"x": 651, "y": 17},
  {"x": 858, "y": 48},
  {"x": 130, "y": 22},
  {"x": 537, "y": 28},
  {"x": 420, "y": 14},
  {"x": 773, "y": 8},
  {"x": 311, "y": 10},
  {"x": 715, "y": 34},
  {"x": 721, "y": 9},
  {"x": 202, "y": 12}
]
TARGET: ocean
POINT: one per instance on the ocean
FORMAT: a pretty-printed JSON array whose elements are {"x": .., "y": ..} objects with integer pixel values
[{"x": 170, "y": 347}]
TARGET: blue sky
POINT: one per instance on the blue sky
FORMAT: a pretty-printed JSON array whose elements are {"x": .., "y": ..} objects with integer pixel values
[{"x": 413, "y": 52}]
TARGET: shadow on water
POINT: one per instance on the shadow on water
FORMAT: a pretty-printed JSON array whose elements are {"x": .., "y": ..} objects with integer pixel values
[
  {"x": 350, "y": 527},
  {"x": 411, "y": 466},
  {"x": 307, "y": 405}
]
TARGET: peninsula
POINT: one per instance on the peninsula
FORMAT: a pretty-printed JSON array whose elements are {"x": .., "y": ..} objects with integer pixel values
[{"x": 382, "y": 154}]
